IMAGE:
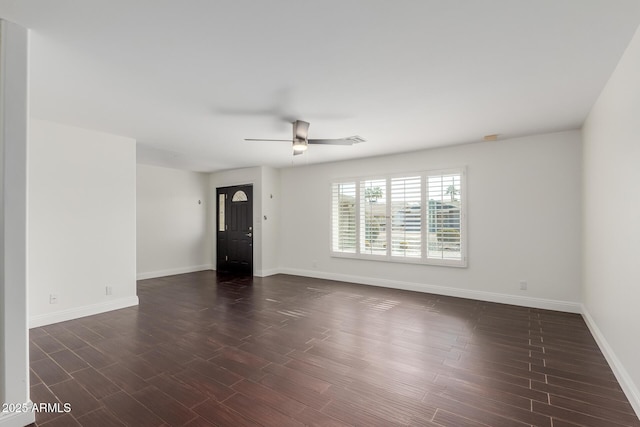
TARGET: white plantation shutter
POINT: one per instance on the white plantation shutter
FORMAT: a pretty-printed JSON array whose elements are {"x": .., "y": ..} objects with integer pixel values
[
  {"x": 444, "y": 204},
  {"x": 406, "y": 217},
  {"x": 344, "y": 217},
  {"x": 373, "y": 217}
]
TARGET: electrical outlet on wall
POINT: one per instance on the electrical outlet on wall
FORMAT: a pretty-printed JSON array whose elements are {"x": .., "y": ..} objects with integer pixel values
[
  {"x": 523, "y": 285},
  {"x": 109, "y": 290},
  {"x": 53, "y": 298}
]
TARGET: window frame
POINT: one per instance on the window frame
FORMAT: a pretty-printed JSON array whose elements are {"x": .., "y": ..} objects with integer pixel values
[{"x": 389, "y": 257}]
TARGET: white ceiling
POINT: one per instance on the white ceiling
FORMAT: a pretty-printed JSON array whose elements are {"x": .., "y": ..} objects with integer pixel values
[{"x": 189, "y": 80}]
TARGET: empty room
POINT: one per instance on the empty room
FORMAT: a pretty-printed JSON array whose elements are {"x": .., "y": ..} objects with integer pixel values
[{"x": 331, "y": 213}]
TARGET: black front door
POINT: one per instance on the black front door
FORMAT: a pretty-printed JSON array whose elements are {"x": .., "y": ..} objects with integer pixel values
[{"x": 235, "y": 229}]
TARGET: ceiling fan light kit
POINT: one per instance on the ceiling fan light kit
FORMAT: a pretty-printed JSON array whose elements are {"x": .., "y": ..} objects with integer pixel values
[
  {"x": 300, "y": 145},
  {"x": 301, "y": 142}
]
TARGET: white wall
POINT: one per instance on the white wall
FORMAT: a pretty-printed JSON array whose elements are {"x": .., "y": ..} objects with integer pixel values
[
  {"x": 82, "y": 222},
  {"x": 611, "y": 229},
  {"x": 172, "y": 226},
  {"x": 271, "y": 224},
  {"x": 524, "y": 216},
  {"x": 14, "y": 361}
]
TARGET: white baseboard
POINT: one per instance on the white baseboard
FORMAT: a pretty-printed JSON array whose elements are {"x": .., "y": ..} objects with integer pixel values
[
  {"x": 172, "y": 271},
  {"x": 546, "y": 304},
  {"x": 630, "y": 389},
  {"x": 77, "y": 312},
  {"x": 266, "y": 273},
  {"x": 17, "y": 419}
]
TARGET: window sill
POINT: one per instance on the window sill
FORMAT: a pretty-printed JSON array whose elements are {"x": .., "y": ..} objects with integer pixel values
[{"x": 402, "y": 260}]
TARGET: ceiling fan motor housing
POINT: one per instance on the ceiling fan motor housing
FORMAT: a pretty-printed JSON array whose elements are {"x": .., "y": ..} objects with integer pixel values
[
  {"x": 300, "y": 133},
  {"x": 300, "y": 130}
]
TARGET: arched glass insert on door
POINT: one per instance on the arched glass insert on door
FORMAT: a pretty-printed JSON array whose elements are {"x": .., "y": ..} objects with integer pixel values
[{"x": 239, "y": 196}]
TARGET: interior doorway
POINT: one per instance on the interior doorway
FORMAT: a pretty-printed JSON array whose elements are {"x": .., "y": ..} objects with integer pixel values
[{"x": 234, "y": 229}]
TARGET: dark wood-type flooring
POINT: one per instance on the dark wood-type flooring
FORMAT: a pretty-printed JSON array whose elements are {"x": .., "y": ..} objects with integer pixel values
[{"x": 203, "y": 349}]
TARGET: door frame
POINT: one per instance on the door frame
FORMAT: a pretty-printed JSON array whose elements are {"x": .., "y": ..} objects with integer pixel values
[{"x": 229, "y": 190}]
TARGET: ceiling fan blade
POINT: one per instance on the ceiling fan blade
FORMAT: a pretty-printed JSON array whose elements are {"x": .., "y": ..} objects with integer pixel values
[
  {"x": 350, "y": 140},
  {"x": 331, "y": 141},
  {"x": 261, "y": 139},
  {"x": 300, "y": 129}
]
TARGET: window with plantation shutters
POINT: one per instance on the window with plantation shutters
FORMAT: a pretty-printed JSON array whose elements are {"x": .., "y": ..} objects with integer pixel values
[
  {"x": 373, "y": 217},
  {"x": 406, "y": 217},
  {"x": 417, "y": 218},
  {"x": 444, "y": 240},
  {"x": 344, "y": 217}
]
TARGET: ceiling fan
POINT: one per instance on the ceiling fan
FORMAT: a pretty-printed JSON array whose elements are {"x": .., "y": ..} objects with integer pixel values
[{"x": 301, "y": 142}]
